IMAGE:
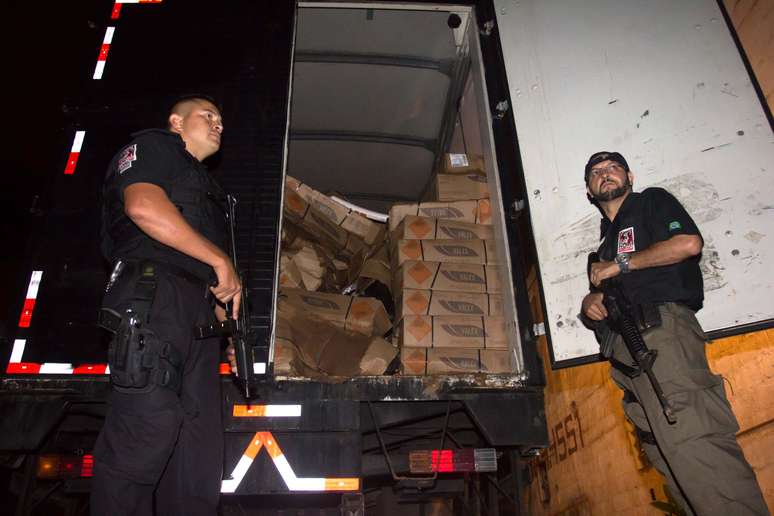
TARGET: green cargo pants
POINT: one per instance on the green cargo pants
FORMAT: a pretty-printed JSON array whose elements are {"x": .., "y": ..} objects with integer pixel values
[{"x": 698, "y": 456}]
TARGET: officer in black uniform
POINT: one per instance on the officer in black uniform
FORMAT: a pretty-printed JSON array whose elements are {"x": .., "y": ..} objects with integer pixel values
[
  {"x": 164, "y": 231},
  {"x": 652, "y": 246}
]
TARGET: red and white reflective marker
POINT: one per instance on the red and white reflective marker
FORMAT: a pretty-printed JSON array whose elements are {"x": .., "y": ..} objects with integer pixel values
[
  {"x": 29, "y": 299},
  {"x": 103, "y": 52},
  {"x": 117, "y": 6},
  {"x": 75, "y": 151}
]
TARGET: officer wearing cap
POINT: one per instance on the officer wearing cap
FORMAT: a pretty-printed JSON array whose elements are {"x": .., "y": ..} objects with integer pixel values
[
  {"x": 161, "y": 448},
  {"x": 652, "y": 246}
]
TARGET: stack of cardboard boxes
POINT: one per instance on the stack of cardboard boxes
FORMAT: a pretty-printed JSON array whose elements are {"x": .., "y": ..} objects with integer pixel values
[
  {"x": 446, "y": 278},
  {"x": 328, "y": 249},
  {"x": 435, "y": 267}
]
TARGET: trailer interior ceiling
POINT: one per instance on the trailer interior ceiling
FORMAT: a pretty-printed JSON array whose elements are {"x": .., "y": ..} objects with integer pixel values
[{"x": 374, "y": 99}]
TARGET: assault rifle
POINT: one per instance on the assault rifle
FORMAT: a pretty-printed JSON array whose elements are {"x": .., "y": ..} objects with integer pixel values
[
  {"x": 237, "y": 329},
  {"x": 621, "y": 320}
]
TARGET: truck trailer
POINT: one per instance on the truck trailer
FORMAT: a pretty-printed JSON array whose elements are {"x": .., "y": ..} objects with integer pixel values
[{"x": 365, "y": 101}]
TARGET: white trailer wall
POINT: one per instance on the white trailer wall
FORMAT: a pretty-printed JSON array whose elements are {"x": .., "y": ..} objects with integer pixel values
[{"x": 663, "y": 83}]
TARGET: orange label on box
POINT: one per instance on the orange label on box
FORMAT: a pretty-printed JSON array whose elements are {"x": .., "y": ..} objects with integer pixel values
[
  {"x": 419, "y": 327},
  {"x": 420, "y": 272},
  {"x": 420, "y": 227},
  {"x": 484, "y": 212},
  {"x": 412, "y": 249},
  {"x": 418, "y": 302},
  {"x": 295, "y": 203}
]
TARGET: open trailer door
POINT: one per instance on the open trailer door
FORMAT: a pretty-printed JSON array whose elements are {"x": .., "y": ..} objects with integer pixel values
[{"x": 667, "y": 85}]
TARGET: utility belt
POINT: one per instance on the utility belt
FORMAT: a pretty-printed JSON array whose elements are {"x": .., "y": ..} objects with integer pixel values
[{"x": 139, "y": 360}]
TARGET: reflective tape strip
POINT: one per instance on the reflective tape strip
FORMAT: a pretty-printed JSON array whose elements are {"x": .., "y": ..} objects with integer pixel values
[
  {"x": 75, "y": 152},
  {"x": 22, "y": 368},
  {"x": 293, "y": 483},
  {"x": 91, "y": 369},
  {"x": 138, "y": 1},
  {"x": 116, "y": 12},
  {"x": 29, "y": 301},
  {"x": 259, "y": 367},
  {"x": 99, "y": 69},
  {"x": 267, "y": 410},
  {"x": 56, "y": 368},
  {"x": 18, "y": 350}
]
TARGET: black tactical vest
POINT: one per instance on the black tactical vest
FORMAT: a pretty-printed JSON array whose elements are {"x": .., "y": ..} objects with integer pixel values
[{"x": 190, "y": 187}]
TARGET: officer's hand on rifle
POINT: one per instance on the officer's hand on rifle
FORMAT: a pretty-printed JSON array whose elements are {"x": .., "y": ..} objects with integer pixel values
[
  {"x": 229, "y": 287},
  {"x": 593, "y": 307},
  {"x": 600, "y": 271}
]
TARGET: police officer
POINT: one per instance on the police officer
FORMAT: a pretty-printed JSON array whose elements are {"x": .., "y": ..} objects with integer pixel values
[
  {"x": 651, "y": 244},
  {"x": 161, "y": 448}
]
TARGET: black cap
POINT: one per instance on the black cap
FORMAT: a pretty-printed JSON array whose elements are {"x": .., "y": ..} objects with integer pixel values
[{"x": 599, "y": 157}]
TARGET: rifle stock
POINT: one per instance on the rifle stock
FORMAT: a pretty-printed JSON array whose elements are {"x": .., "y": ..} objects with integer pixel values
[{"x": 621, "y": 319}]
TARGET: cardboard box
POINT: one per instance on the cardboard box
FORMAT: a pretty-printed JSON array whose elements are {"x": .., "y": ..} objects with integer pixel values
[
  {"x": 414, "y": 227},
  {"x": 463, "y": 211},
  {"x": 452, "y": 187},
  {"x": 496, "y": 308},
  {"x": 458, "y": 163},
  {"x": 484, "y": 212},
  {"x": 494, "y": 361},
  {"x": 363, "y": 315},
  {"x": 377, "y": 357},
  {"x": 289, "y": 276},
  {"x": 495, "y": 334},
  {"x": 491, "y": 252},
  {"x": 303, "y": 203},
  {"x": 455, "y": 277},
  {"x": 451, "y": 251},
  {"x": 413, "y": 361},
  {"x": 451, "y": 360},
  {"x": 438, "y": 302},
  {"x": 443, "y": 331},
  {"x": 493, "y": 279},
  {"x": 415, "y": 331}
]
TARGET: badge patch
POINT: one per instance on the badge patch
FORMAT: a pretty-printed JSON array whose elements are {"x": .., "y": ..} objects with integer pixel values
[
  {"x": 128, "y": 155},
  {"x": 626, "y": 240},
  {"x": 674, "y": 225}
]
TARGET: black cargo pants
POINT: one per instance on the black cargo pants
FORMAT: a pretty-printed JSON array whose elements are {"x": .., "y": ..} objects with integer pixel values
[
  {"x": 698, "y": 456},
  {"x": 161, "y": 452}
]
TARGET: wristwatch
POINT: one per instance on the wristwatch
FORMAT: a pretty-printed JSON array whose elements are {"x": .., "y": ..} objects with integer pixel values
[{"x": 622, "y": 259}]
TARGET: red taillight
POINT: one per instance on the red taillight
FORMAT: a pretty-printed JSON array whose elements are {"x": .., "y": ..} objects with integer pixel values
[
  {"x": 451, "y": 461},
  {"x": 56, "y": 466}
]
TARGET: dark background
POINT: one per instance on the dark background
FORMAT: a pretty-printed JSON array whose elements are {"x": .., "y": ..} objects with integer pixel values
[{"x": 237, "y": 52}]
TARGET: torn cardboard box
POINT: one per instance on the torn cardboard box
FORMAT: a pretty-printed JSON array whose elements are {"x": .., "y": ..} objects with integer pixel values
[
  {"x": 363, "y": 315},
  {"x": 414, "y": 227},
  {"x": 309, "y": 207},
  {"x": 476, "y": 212},
  {"x": 314, "y": 348}
]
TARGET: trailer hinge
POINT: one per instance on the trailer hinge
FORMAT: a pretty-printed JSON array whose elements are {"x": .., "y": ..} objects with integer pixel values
[
  {"x": 516, "y": 208},
  {"x": 500, "y": 109},
  {"x": 488, "y": 27},
  {"x": 539, "y": 329}
]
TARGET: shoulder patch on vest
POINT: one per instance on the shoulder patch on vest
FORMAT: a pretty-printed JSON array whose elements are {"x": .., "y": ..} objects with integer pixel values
[
  {"x": 626, "y": 240},
  {"x": 128, "y": 155},
  {"x": 674, "y": 225}
]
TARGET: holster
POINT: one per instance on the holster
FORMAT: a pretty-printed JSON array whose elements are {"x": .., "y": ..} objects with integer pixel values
[{"x": 139, "y": 361}]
